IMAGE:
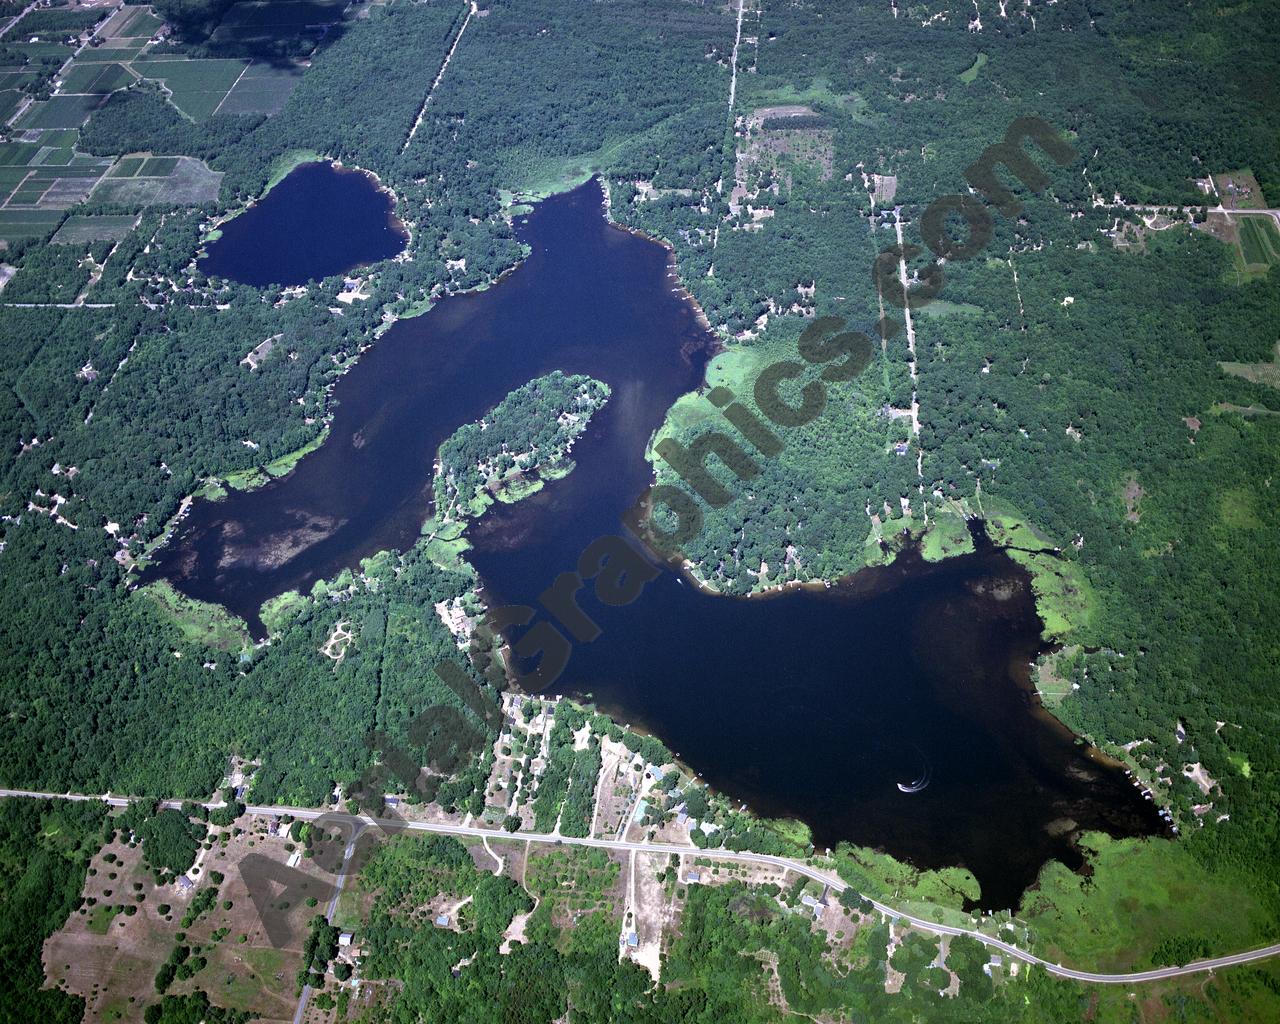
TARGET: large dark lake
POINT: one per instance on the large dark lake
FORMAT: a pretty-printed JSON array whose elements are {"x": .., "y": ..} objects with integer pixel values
[
  {"x": 320, "y": 220},
  {"x": 809, "y": 704}
]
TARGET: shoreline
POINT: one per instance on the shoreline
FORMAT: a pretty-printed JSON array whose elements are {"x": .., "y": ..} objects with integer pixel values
[{"x": 281, "y": 170}]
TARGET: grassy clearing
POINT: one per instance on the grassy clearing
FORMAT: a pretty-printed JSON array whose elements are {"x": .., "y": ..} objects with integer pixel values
[
  {"x": 208, "y": 625},
  {"x": 941, "y": 309},
  {"x": 101, "y": 916},
  {"x": 970, "y": 74},
  {"x": 1237, "y": 509},
  {"x": 736, "y": 368},
  {"x": 935, "y": 894},
  {"x": 1065, "y": 599},
  {"x": 818, "y": 92},
  {"x": 1239, "y": 190},
  {"x": 290, "y": 161},
  {"x": 1051, "y": 679},
  {"x": 1142, "y": 893},
  {"x": 1241, "y": 764},
  {"x": 946, "y": 536}
]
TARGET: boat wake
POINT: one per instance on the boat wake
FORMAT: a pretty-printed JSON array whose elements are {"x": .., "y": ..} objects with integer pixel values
[{"x": 921, "y": 782}]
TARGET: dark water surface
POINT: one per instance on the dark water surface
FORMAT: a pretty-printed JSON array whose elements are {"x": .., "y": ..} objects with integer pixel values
[
  {"x": 320, "y": 220},
  {"x": 812, "y": 704}
]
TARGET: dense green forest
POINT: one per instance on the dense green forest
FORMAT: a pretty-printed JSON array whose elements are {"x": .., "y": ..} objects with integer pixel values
[{"x": 1062, "y": 381}]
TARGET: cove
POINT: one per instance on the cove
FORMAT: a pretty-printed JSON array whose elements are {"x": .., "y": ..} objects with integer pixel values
[
  {"x": 319, "y": 220},
  {"x": 822, "y": 705}
]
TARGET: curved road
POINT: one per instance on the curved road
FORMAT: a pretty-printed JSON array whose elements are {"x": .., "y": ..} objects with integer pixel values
[{"x": 393, "y": 825}]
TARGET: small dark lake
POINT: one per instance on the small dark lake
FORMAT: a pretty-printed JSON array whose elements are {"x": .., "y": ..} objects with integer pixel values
[
  {"x": 810, "y": 704},
  {"x": 319, "y": 220}
]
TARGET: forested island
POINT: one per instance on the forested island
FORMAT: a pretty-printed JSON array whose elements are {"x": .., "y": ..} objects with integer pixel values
[
  {"x": 1099, "y": 386},
  {"x": 523, "y": 443}
]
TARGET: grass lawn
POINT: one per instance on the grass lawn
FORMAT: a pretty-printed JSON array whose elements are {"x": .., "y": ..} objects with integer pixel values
[{"x": 101, "y": 916}]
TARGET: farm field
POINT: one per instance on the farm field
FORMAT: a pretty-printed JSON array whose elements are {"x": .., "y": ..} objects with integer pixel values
[
  {"x": 196, "y": 87},
  {"x": 19, "y": 225},
  {"x": 59, "y": 112},
  {"x": 262, "y": 89},
  {"x": 79, "y": 228},
  {"x": 1259, "y": 242},
  {"x": 95, "y": 78},
  {"x": 131, "y": 22},
  {"x": 160, "y": 181}
]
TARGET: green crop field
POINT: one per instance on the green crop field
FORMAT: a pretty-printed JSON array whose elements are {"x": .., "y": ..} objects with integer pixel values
[
  {"x": 56, "y": 24},
  {"x": 114, "y": 50},
  {"x": 17, "y": 154},
  {"x": 18, "y": 225},
  {"x": 128, "y": 166},
  {"x": 158, "y": 167},
  {"x": 95, "y": 78},
  {"x": 60, "y": 112},
  {"x": 274, "y": 25},
  {"x": 43, "y": 48},
  {"x": 263, "y": 89},
  {"x": 55, "y": 157},
  {"x": 29, "y": 193},
  {"x": 1259, "y": 241},
  {"x": 131, "y": 22},
  {"x": 197, "y": 86},
  {"x": 48, "y": 172}
]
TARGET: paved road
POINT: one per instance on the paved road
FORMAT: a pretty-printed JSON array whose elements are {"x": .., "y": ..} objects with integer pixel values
[{"x": 393, "y": 825}]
